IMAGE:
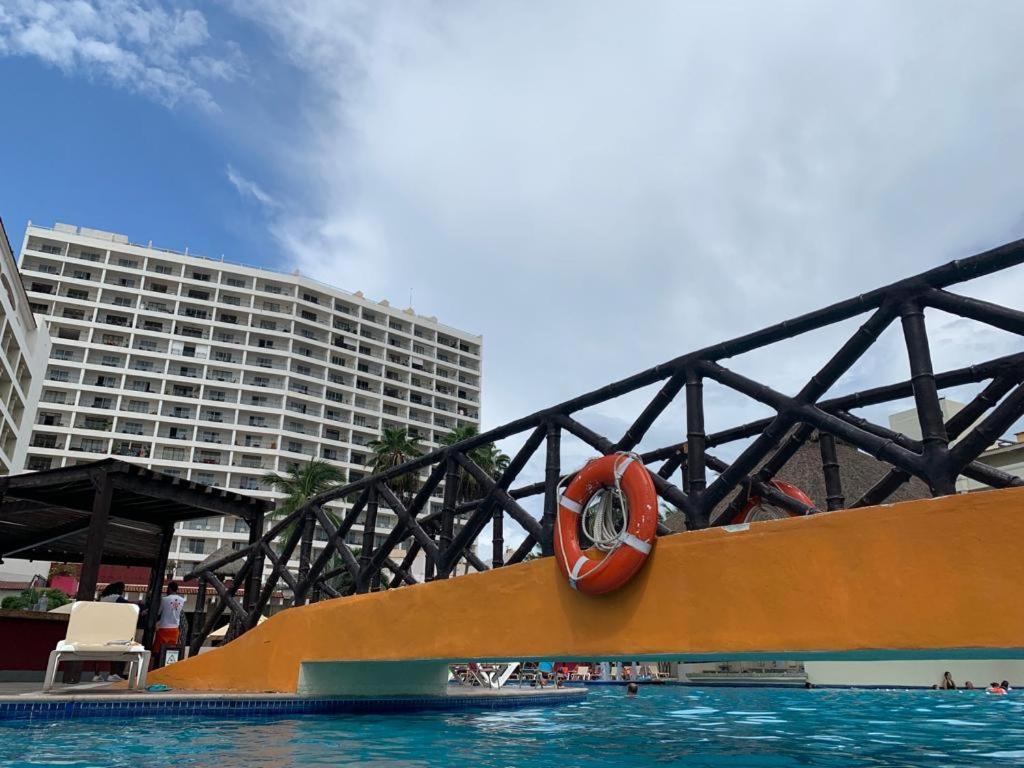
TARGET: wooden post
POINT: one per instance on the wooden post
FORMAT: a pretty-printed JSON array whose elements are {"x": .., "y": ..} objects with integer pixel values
[
  {"x": 696, "y": 438},
  {"x": 830, "y": 468},
  {"x": 451, "y": 495},
  {"x": 498, "y": 538},
  {"x": 199, "y": 614},
  {"x": 934, "y": 441},
  {"x": 552, "y": 468},
  {"x": 156, "y": 583},
  {"x": 369, "y": 531},
  {"x": 252, "y": 589},
  {"x": 95, "y": 538},
  {"x": 308, "y": 523}
]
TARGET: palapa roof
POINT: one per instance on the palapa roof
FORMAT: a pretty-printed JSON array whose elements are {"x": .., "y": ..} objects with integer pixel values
[
  {"x": 45, "y": 515},
  {"x": 858, "y": 472}
]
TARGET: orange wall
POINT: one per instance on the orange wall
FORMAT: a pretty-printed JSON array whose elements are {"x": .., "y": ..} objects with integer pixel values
[{"x": 911, "y": 577}]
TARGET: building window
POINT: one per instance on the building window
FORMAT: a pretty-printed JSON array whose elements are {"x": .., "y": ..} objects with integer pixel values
[{"x": 195, "y": 546}]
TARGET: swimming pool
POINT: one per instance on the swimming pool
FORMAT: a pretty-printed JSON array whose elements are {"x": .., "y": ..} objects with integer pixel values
[{"x": 694, "y": 727}]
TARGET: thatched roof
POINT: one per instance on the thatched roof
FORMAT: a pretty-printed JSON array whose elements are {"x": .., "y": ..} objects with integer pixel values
[
  {"x": 230, "y": 569},
  {"x": 858, "y": 472}
]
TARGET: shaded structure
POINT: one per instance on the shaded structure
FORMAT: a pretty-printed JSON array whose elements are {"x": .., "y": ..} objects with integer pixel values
[
  {"x": 856, "y": 472},
  {"x": 709, "y": 486},
  {"x": 110, "y": 511}
]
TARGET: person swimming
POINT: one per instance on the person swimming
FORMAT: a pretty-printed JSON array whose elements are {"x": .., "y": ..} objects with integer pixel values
[
  {"x": 996, "y": 689},
  {"x": 632, "y": 689},
  {"x": 1005, "y": 685}
]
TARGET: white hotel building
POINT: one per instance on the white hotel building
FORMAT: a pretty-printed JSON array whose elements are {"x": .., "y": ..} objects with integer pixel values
[
  {"x": 219, "y": 373},
  {"x": 23, "y": 352}
]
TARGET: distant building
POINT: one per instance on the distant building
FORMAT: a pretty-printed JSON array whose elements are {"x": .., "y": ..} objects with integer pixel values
[
  {"x": 219, "y": 373},
  {"x": 1007, "y": 455},
  {"x": 908, "y": 423},
  {"x": 24, "y": 348}
]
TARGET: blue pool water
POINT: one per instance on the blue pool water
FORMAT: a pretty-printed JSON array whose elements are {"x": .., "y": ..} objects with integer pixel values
[{"x": 664, "y": 726}]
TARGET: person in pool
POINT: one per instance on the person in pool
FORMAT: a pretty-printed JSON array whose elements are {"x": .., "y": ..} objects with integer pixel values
[
  {"x": 996, "y": 689},
  {"x": 1005, "y": 685},
  {"x": 631, "y": 690},
  {"x": 969, "y": 686},
  {"x": 947, "y": 682}
]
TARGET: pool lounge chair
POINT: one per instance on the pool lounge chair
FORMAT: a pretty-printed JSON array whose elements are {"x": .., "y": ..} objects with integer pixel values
[{"x": 101, "y": 632}]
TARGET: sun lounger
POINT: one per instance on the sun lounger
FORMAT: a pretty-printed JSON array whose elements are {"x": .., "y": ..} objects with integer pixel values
[{"x": 101, "y": 632}]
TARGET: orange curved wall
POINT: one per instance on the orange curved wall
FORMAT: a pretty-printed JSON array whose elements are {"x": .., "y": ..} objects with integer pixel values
[{"x": 901, "y": 580}]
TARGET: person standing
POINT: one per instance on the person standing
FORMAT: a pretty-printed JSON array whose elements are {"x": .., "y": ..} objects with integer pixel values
[{"x": 168, "y": 619}]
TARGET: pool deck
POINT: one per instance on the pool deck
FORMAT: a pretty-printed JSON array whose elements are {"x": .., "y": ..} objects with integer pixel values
[{"x": 27, "y": 701}]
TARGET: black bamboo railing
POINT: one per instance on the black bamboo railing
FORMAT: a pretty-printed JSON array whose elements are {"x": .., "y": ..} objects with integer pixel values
[{"x": 446, "y": 537}]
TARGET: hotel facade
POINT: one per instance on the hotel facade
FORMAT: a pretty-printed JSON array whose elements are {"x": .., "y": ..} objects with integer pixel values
[{"x": 220, "y": 373}]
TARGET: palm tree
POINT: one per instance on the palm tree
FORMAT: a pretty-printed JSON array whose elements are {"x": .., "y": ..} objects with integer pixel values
[
  {"x": 394, "y": 447},
  {"x": 488, "y": 457},
  {"x": 301, "y": 483}
]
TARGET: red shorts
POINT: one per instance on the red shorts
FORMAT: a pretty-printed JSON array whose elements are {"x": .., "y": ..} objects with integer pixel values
[{"x": 164, "y": 637}]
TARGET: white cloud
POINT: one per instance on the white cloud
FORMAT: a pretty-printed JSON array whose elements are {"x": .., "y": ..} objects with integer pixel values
[
  {"x": 249, "y": 188},
  {"x": 138, "y": 45},
  {"x": 599, "y": 189}
]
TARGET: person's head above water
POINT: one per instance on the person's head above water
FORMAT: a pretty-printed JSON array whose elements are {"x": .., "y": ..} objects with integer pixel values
[{"x": 631, "y": 689}]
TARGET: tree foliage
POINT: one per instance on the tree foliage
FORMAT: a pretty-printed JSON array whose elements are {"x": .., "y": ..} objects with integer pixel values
[
  {"x": 28, "y": 599},
  {"x": 488, "y": 457},
  {"x": 300, "y": 484},
  {"x": 395, "y": 447}
]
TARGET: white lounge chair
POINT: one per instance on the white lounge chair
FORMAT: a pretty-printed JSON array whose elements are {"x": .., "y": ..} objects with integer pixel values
[{"x": 101, "y": 632}]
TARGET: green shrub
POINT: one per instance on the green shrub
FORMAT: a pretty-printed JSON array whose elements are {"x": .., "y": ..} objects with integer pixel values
[{"x": 27, "y": 600}]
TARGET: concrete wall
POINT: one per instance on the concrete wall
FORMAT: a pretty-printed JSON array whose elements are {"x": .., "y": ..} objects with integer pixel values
[
  {"x": 914, "y": 674},
  {"x": 911, "y": 580}
]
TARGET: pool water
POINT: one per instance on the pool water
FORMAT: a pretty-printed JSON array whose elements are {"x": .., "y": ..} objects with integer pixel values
[{"x": 666, "y": 725}]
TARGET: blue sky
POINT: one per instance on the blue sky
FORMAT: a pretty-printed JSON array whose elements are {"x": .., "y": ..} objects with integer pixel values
[
  {"x": 76, "y": 149},
  {"x": 592, "y": 187}
]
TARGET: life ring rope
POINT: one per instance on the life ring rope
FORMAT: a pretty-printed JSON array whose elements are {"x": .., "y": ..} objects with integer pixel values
[{"x": 624, "y": 535}]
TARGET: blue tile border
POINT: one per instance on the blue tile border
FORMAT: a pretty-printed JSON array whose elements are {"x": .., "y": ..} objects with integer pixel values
[{"x": 255, "y": 707}]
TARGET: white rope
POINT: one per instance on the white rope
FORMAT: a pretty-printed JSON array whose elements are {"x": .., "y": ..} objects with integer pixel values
[{"x": 600, "y": 525}]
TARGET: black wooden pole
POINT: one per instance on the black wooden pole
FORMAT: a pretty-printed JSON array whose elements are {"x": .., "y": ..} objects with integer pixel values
[
  {"x": 95, "y": 538},
  {"x": 934, "y": 442},
  {"x": 156, "y": 583},
  {"x": 552, "y": 470},
  {"x": 696, "y": 473},
  {"x": 306, "y": 546},
  {"x": 452, "y": 479},
  {"x": 498, "y": 538},
  {"x": 252, "y": 589},
  {"x": 369, "y": 532},
  {"x": 199, "y": 614},
  {"x": 830, "y": 469}
]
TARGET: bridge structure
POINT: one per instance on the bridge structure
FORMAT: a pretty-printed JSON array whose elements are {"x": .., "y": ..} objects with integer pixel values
[{"x": 870, "y": 573}]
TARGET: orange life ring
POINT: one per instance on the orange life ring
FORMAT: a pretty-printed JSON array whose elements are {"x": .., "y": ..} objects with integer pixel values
[
  {"x": 756, "y": 509},
  {"x": 596, "y": 570}
]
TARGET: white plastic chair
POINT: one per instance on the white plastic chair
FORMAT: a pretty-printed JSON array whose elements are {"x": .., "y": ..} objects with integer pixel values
[{"x": 101, "y": 632}]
